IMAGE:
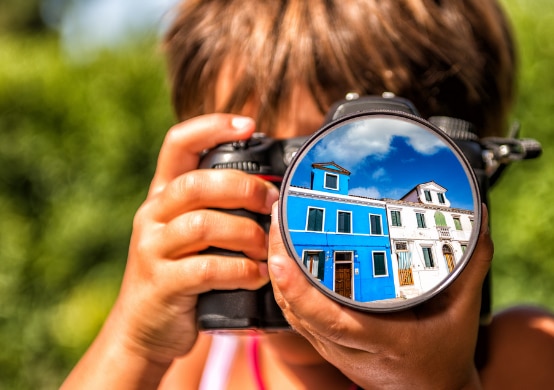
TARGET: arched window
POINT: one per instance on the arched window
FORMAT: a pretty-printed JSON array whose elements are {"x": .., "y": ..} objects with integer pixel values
[{"x": 440, "y": 219}]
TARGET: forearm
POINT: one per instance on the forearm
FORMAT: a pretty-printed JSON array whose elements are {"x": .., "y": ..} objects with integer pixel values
[{"x": 109, "y": 364}]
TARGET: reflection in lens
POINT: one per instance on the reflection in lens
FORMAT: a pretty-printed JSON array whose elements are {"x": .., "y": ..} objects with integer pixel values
[{"x": 379, "y": 210}]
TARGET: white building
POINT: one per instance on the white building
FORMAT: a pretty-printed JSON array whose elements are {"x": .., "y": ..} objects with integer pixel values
[{"x": 428, "y": 238}]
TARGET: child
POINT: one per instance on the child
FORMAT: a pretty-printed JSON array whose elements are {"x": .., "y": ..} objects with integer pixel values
[{"x": 276, "y": 67}]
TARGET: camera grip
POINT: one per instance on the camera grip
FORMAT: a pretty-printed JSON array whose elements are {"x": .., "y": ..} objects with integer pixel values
[{"x": 240, "y": 309}]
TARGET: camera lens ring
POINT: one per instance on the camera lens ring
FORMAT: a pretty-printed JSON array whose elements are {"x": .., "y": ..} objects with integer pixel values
[{"x": 397, "y": 303}]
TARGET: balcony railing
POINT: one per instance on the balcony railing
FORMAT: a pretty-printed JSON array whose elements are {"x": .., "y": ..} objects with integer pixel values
[{"x": 444, "y": 232}]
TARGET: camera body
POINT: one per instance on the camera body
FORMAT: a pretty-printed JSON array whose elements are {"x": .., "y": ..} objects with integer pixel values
[
  {"x": 244, "y": 309},
  {"x": 224, "y": 311}
]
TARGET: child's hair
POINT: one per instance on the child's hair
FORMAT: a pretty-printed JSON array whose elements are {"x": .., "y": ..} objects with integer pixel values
[{"x": 449, "y": 57}]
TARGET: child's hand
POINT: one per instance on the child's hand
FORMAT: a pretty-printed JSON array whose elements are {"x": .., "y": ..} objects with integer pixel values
[
  {"x": 153, "y": 320},
  {"x": 430, "y": 346},
  {"x": 155, "y": 310}
]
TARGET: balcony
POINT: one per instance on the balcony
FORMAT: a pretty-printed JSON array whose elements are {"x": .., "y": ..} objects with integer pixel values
[{"x": 444, "y": 232}]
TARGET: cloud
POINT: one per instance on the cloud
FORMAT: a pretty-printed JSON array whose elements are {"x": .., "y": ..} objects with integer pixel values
[
  {"x": 368, "y": 192},
  {"x": 350, "y": 144},
  {"x": 379, "y": 173}
]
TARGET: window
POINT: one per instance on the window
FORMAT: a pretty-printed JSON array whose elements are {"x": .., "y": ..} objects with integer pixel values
[
  {"x": 428, "y": 257},
  {"x": 404, "y": 256},
  {"x": 440, "y": 219},
  {"x": 401, "y": 245},
  {"x": 344, "y": 222},
  {"x": 331, "y": 181},
  {"x": 379, "y": 264},
  {"x": 457, "y": 223},
  {"x": 441, "y": 198},
  {"x": 427, "y": 195},
  {"x": 315, "y": 219},
  {"x": 375, "y": 226},
  {"x": 421, "y": 220},
  {"x": 395, "y": 218},
  {"x": 314, "y": 261},
  {"x": 342, "y": 256}
]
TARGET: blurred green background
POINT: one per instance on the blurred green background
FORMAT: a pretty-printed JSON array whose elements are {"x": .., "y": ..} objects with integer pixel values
[{"x": 79, "y": 141}]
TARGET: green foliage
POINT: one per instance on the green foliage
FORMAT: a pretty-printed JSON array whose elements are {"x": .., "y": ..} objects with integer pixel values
[
  {"x": 522, "y": 205},
  {"x": 22, "y": 16},
  {"x": 77, "y": 151}
]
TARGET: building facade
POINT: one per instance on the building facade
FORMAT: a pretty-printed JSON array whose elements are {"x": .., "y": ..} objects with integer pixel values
[
  {"x": 428, "y": 238},
  {"x": 375, "y": 249},
  {"x": 343, "y": 240}
]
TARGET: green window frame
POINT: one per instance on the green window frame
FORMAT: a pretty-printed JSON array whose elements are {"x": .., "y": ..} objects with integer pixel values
[
  {"x": 315, "y": 219},
  {"x": 379, "y": 264},
  {"x": 457, "y": 223},
  {"x": 396, "y": 218},
  {"x": 344, "y": 222},
  {"x": 331, "y": 181},
  {"x": 421, "y": 220},
  {"x": 428, "y": 257},
  {"x": 375, "y": 225},
  {"x": 427, "y": 195},
  {"x": 314, "y": 261}
]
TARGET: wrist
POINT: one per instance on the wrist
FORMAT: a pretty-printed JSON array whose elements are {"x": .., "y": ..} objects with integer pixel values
[
  {"x": 114, "y": 360},
  {"x": 110, "y": 365}
]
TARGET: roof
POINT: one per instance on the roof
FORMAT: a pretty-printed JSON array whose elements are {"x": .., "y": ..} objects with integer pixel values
[{"x": 331, "y": 167}]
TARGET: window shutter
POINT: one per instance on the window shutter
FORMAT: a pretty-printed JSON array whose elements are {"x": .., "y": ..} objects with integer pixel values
[
  {"x": 375, "y": 222},
  {"x": 321, "y": 266},
  {"x": 315, "y": 220},
  {"x": 379, "y": 266}
]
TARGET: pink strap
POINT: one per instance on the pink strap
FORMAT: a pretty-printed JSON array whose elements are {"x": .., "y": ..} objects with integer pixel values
[{"x": 254, "y": 359}]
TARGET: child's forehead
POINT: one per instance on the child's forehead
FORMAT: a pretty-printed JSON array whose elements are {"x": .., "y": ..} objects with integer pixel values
[
  {"x": 302, "y": 115},
  {"x": 299, "y": 112}
]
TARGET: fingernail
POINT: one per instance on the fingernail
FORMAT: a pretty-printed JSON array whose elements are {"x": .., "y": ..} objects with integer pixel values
[{"x": 241, "y": 123}]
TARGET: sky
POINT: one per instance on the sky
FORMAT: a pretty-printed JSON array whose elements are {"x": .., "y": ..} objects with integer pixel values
[
  {"x": 89, "y": 25},
  {"x": 387, "y": 158}
]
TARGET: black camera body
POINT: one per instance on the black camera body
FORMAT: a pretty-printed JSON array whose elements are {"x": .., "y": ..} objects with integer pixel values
[
  {"x": 244, "y": 309},
  {"x": 224, "y": 311}
]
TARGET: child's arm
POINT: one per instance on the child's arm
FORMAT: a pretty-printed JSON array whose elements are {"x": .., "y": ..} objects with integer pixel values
[{"x": 153, "y": 320}]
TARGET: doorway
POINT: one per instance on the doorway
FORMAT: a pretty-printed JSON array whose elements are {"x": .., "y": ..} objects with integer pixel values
[
  {"x": 343, "y": 274},
  {"x": 448, "y": 257}
]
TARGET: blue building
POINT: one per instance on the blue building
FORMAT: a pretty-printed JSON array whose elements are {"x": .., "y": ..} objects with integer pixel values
[{"x": 343, "y": 240}]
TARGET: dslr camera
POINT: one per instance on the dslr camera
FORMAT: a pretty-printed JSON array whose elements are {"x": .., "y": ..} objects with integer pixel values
[{"x": 273, "y": 160}]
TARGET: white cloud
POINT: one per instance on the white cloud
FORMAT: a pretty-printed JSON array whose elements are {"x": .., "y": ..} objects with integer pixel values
[
  {"x": 368, "y": 192},
  {"x": 351, "y": 144},
  {"x": 379, "y": 174}
]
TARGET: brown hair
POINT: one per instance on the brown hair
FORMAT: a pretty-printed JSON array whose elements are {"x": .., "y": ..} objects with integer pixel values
[{"x": 449, "y": 57}]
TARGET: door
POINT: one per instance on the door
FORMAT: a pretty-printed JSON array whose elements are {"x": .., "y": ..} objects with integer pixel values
[
  {"x": 448, "y": 257},
  {"x": 343, "y": 279}
]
